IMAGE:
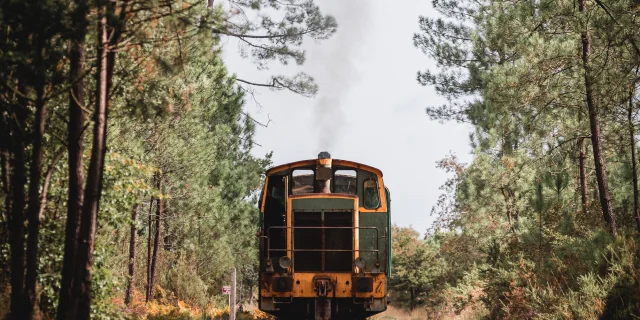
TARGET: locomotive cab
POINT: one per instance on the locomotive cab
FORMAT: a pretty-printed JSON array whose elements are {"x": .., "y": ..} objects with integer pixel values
[{"x": 324, "y": 240}]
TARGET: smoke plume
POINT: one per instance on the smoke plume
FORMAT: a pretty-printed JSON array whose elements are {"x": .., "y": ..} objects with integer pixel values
[{"x": 334, "y": 68}]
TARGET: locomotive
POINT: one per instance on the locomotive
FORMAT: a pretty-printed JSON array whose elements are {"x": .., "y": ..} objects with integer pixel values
[{"x": 325, "y": 240}]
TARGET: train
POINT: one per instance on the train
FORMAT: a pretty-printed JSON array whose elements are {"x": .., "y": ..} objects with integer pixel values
[{"x": 325, "y": 240}]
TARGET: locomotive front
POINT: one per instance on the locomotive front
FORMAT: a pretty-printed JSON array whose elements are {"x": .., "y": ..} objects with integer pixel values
[{"x": 324, "y": 240}]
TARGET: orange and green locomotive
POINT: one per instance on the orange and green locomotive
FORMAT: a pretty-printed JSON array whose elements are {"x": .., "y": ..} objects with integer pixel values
[{"x": 325, "y": 242}]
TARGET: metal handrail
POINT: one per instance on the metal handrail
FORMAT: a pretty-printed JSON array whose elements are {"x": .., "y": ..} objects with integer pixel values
[{"x": 293, "y": 249}]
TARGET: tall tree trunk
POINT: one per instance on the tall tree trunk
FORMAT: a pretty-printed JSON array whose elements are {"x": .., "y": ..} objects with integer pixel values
[
  {"x": 34, "y": 202},
  {"x": 583, "y": 175},
  {"x": 601, "y": 175},
  {"x": 75, "y": 143},
  {"x": 634, "y": 170},
  {"x": 156, "y": 246},
  {"x": 149, "y": 227},
  {"x": 132, "y": 255},
  {"x": 16, "y": 220},
  {"x": 91, "y": 203},
  {"x": 81, "y": 300}
]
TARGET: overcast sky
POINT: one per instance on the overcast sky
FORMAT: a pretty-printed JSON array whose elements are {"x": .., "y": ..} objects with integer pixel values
[{"x": 369, "y": 107}]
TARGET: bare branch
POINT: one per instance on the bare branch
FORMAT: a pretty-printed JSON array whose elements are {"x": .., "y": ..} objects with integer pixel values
[
  {"x": 301, "y": 84},
  {"x": 256, "y": 121},
  {"x": 272, "y": 36},
  {"x": 252, "y": 142}
]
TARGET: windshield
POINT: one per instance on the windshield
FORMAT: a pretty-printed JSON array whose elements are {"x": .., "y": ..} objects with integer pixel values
[
  {"x": 302, "y": 181},
  {"x": 345, "y": 181}
]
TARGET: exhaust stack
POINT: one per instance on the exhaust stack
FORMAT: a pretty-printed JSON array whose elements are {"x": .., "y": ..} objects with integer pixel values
[{"x": 323, "y": 172}]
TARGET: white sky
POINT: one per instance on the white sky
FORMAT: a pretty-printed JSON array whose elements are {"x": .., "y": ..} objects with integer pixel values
[{"x": 369, "y": 104}]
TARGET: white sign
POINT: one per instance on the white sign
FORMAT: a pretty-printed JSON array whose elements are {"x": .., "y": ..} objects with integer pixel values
[{"x": 226, "y": 290}]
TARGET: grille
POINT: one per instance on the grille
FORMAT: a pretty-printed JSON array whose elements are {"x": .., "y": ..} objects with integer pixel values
[{"x": 321, "y": 241}]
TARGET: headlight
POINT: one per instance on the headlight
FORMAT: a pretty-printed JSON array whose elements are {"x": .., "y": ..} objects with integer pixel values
[
  {"x": 360, "y": 262},
  {"x": 285, "y": 262}
]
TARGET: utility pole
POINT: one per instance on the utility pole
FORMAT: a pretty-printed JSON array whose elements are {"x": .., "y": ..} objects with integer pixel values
[{"x": 232, "y": 307}]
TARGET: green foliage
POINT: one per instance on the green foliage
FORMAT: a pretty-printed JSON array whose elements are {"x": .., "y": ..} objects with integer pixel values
[
  {"x": 299, "y": 18},
  {"x": 176, "y": 116},
  {"x": 270, "y": 31},
  {"x": 183, "y": 280},
  {"x": 198, "y": 145},
  {"x": 510, "y": 226},
  {"x": 416, "y": 266}
]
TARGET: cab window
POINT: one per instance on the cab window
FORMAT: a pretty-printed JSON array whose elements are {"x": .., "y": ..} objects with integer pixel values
[
  {"x": 277, "y": 192},
  {"x": 275, "y": 200},
  {"x": 345, "y": 181},
  {"x": 302, "y": 181},
  {"x": 371, "y": 194}
]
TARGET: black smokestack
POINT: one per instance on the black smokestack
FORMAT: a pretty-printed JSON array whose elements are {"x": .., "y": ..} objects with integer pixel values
[{"x": 324, "y": 155}]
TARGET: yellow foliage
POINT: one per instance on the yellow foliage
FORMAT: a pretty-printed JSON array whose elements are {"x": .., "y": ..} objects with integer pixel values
[
  {"x": 218, "y": 313},
  {"x": 508, "y": 163},
  {"x": 169, "y": 308},
  {"x": 259, "y": 315}
]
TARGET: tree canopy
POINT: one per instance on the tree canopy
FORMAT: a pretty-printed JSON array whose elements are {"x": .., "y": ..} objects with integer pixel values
[
  {"x": 121, "y": 130},
  {"x": 541, "y": 224}
]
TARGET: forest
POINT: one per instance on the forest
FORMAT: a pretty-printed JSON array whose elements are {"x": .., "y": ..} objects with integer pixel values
[
  {"x": 129, "y": 184},
  {"x": 543, "y": 223},
  {"x": 126, "y": 151}
]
